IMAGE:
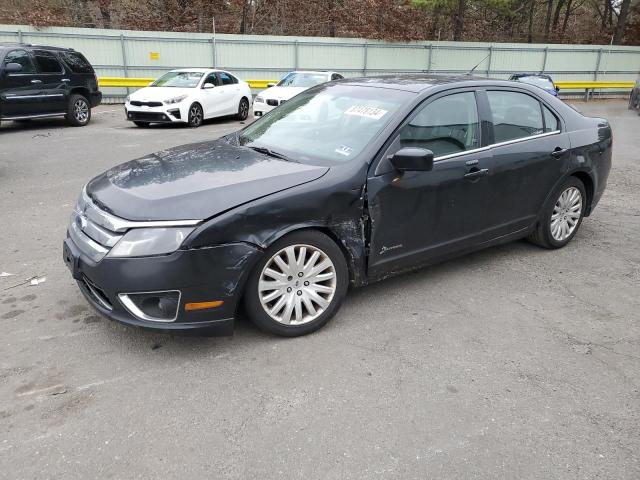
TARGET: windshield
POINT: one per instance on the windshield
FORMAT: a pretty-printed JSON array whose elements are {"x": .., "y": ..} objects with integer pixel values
[
  {"x": 537, "y": 81},
  {"x": 306, "y": 80},
  {"x": 328, "y": 125},
  {"x": 178, "y": 79}
]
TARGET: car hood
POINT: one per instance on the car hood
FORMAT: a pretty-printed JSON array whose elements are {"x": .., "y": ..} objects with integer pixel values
[
  {"x": 159, "y": 94},
  {"x": 282, "y": 93},
  {"x": 195, "y": 181}
]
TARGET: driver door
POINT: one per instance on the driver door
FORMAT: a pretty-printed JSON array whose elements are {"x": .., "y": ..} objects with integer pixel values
[{"x": 419, "y": 216}]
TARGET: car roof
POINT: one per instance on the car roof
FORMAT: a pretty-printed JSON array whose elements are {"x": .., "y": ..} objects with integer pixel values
[
  {"x": 530, "y": 74},
  {"x": 32, "y": 45},
  {"x": 197, "y": 69},
  {"x": 421, "y": 82}
]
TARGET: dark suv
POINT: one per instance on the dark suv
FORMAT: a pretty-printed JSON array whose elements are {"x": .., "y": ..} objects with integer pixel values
[{"x": 40, "y": 82}]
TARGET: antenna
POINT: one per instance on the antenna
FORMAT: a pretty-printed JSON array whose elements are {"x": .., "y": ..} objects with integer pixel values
[{"x": 477, "y": 65}]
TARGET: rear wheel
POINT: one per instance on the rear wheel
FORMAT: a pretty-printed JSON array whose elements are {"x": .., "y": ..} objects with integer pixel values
[
  {"x": 195, "y": 115},
  {"x": 243, "y": 109},
  {"x": 298, "y": 285},
  {"x": 141, "y": 124},
  {"x": 562, "y": 215},
  {"x": 78, "y": 111}
]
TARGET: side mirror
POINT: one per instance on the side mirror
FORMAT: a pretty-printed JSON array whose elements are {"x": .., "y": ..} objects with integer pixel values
[
  {"x": 206, "y": 86},
  {"x": 13, "y": 67},
  {"x": 271, "y": 84},
  {"x": 410, "y": 159}
]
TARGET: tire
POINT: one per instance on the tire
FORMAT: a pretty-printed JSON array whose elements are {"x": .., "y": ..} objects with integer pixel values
[
  {"x": 561, "y": 216},
  {"x": 298, "y": 288},
  {"x": 243, "y": 109},
  {"x": 141, "y": 124},
  {"x": 196, "y": 115},
  {"x": 78, "y": 111}
]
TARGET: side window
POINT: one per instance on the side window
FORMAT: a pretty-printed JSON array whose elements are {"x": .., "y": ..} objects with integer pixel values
[
  {"x": 551, "y": 123},
  {"x": 515, "y": 115},
  {"x": 225, "y": 78},
  {"x": 23, "y": 58},
  {"x": 211, "y": 78},
  {"x": 336, "y": 76},
  {"x": 446, "y": 125},
  {"x": 47, "y": 63},
  {"x": 76, "y": 62}
]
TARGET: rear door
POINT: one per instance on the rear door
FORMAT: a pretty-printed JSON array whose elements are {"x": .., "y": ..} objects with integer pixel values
[
  {"x": 529, "y": 148},
  {"x": 230, "y": 93},
  {"x": 20, "y": 92},
  {"x": 55, "y": 82},
  {"x": 418, "y": 216}
]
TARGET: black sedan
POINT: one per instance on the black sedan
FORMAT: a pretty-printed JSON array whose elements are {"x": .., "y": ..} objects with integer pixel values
[{"x": 347, "y": 183}]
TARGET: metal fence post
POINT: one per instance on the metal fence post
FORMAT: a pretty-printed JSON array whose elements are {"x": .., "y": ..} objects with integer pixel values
[
  {"x": 19, "y": 36},
  {"x": 595, "y": 73},
  {"x": 213, "y": 51},
  {"x": 489, "y": 62},
  {"x": 364, "y": 59},
  {"x": 544, "y": 59},
  {"x": 295, "y": 54},
  {"x": 125, "y": 67},
  {"x": 430, "y": 47}
]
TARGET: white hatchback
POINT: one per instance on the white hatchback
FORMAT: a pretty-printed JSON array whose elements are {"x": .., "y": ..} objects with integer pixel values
[
  {"x": 189, "y": 95},
  {"x": 291, "y": 84}
]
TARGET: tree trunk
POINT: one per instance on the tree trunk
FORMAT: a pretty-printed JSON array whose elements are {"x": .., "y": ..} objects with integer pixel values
[
  {"x": 556, "y": 14},
  {"x": 530, "y": 27},
  {"x": 547, "y": 23},
  {"x": 458, "y": 20},
  {"x": 566, "y": 16},
  {"x": 622, "y": 20}
]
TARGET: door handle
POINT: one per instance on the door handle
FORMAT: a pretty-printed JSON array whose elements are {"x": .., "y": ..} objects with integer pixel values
[
  {"x": 558, "y": 152},
  {"x": 474, "y": 174},
  {"x": 66, "y": 80},
  {"x": 36, "y": 81}
]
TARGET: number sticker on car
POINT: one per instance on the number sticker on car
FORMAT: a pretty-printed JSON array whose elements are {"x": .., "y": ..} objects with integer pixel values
[{"x": 366, "y": 111}]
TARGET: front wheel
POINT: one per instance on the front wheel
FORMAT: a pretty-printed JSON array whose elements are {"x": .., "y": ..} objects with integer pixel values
[
  {"x": 562, "y": 215},
  {"x": 195, "y": 115},
  {"x": 243, "y": 109},
  {"x": 78, "y": 111},
  {"x": 298, "y": 285}
]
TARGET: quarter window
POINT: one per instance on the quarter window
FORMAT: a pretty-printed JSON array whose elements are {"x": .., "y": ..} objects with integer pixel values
[
  {"x": 550, "y": 120},
  {"x": 225, "y": 78},
  {"x": 23, "y": 58},
  {"x": 47, "y": 62},
  {"x": 515, "y": 115},
  {"x": 445, "y": 126},
  {"x": 77, "y": 62}
]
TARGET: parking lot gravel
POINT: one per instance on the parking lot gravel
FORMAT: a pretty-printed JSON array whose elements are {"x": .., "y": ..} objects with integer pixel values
[{"x": 513, "y": 362}]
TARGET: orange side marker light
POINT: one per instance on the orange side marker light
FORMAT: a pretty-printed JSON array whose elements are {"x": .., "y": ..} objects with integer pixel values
[{"x": 190, "y": 307}]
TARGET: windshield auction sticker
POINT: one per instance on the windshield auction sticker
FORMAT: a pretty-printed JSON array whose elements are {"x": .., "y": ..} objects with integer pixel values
[{"x": 366, "y": 111}]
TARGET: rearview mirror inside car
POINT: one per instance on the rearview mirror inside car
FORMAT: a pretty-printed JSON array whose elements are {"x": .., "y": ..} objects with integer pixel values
[
  {"x": 13, "y": 67},
  {"x": 411, "y": 159},
  {"x": 208, "y": 85}
]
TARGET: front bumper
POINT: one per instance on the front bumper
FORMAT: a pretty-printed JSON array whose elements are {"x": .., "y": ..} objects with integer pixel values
[
  {"x": 162, "y": 114},
  {"x": 261, "y": 108},
  {"x": 215, "y": 273}
]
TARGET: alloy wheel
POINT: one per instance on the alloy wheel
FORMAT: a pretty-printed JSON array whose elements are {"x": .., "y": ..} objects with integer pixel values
[
  {"x": 81, "y": 110},
  {"x": 195, "y": 115},
  {"x": 297, "y": 284},
  {"x": 566, "y": 214},
  {"x": 244, "y": 109}
]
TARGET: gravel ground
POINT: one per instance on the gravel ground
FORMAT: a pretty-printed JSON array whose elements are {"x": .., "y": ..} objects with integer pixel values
[{"x": 514, "y": 362}]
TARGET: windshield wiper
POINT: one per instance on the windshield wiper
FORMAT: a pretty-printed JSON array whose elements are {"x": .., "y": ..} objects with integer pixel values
[{"x": 271, "y": 153}]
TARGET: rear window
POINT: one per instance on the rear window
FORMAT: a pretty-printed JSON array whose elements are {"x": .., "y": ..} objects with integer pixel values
[
  {"x": 47, "y": 62},
  {"x": 76, "y": 62}
]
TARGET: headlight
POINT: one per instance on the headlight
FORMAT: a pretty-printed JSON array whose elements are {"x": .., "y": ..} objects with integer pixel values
[
  {"x": 171, "y": 101},
  {"x": 142, "y": 242},
  {"x": 259, "y": 99}
]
